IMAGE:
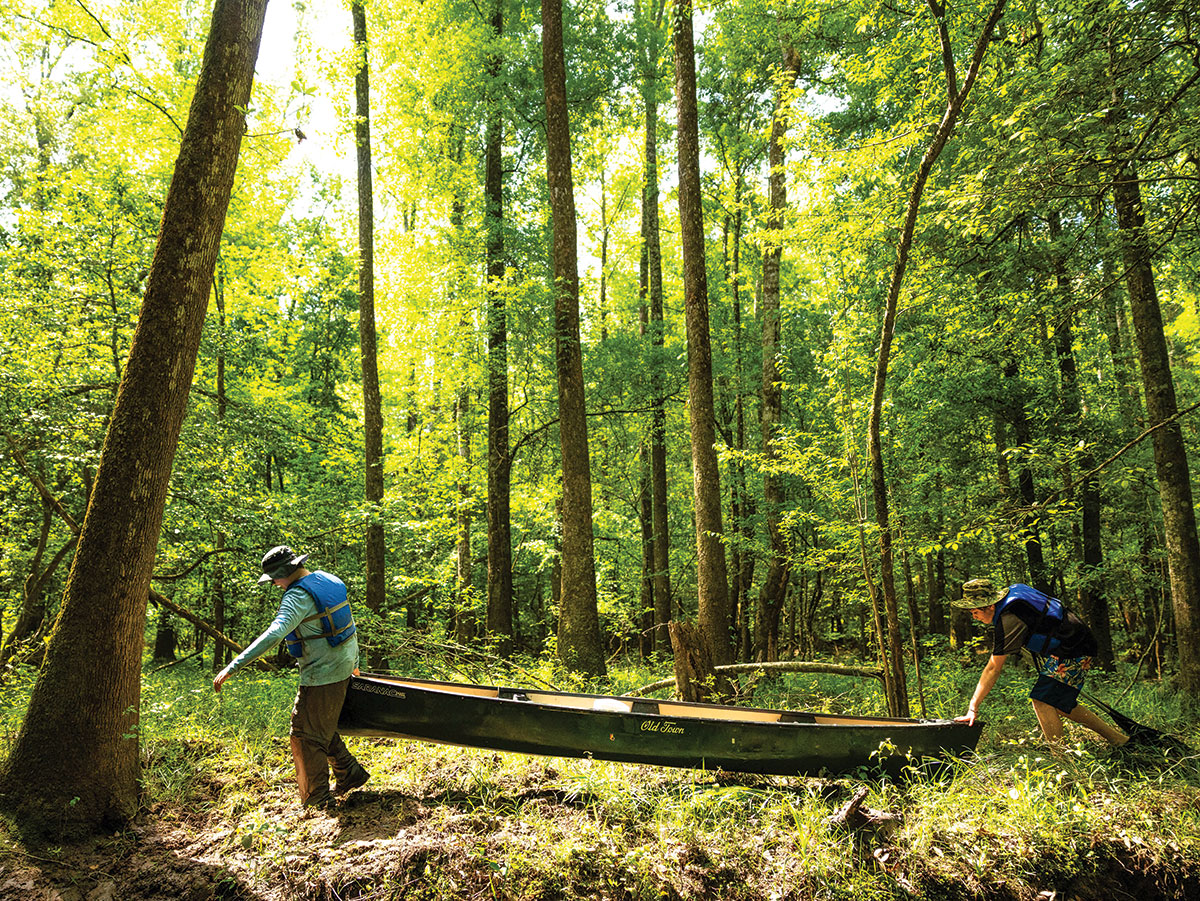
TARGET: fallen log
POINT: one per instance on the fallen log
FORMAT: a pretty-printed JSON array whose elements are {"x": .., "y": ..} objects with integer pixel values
[
  {"x": 776, "y": 666},
  {"x": 162, "y": 601},
  {"x": 174, "y": 662}
]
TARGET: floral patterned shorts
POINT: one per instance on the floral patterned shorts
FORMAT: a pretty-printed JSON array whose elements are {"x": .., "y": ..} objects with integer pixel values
[{"x": 1059, "y": 681}]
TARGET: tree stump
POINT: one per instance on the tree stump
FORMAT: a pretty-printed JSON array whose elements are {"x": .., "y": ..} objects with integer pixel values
[
  {"x": 695, "y": 678},
  {"x": 854, "y": 816}
]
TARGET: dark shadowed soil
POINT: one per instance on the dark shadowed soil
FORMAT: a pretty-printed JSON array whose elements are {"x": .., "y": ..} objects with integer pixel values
[{"x": 430, "y": 839}]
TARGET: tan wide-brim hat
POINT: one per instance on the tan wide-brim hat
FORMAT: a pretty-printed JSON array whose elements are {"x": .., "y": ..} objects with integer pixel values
[{"x": 976, "y": 594}]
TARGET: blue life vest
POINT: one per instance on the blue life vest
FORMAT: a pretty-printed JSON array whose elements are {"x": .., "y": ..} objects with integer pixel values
[
  {"x": 333, "y": 610},
  {"x": 1050, "y": 612}
]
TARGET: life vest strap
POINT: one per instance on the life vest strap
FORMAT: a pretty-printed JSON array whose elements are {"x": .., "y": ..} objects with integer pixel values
[
  {"x": 325, "y": 613},
  {"x": 327, "y": 618}
]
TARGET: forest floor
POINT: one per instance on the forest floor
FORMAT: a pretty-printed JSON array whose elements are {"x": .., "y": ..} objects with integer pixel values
[
  {"x": 474, "y": 825},
  {"x": 1018, "y": 821}
]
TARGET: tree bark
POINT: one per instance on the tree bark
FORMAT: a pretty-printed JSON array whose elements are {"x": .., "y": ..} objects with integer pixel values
[
  {"x": 711, "y": 573},
  {"x": 499, "y": 509},
  {"x": 695, "y": 677},
  {"x": 74, "y": 766},
  {"x": 741, "y": 505},
  {"x": 373, "y": 460},
  {"x": 579, "y": 644},
  {"x": 774, "y": 586},
  {"x": 651, "y": 290},
  {"x": 464, "y": 612},
  {"x": 1170, "y": 453},
  {"x": 1093, "y": 601}
]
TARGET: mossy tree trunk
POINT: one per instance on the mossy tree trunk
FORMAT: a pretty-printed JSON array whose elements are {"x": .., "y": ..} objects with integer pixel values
[
  {"x": 1170, "y": 451},
  {"x": 650, "y": 288},
  {"x": 579, "y": 644},
  {"x": 74, "y": 766},
  {"x": 499, "y": 486},
  {"x": 712, "y": 577},
  {"x": 373, "y": 463},
  {"x": 775, "y": 585}
]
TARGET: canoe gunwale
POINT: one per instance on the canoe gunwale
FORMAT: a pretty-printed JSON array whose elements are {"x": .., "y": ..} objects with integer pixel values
[
  {"x": 785, "y": 743},
  {"x": 691, "y": 710}
]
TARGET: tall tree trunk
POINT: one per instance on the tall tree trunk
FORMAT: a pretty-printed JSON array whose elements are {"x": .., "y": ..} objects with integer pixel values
[
  {"x": 711, "y": 575},
  {"x": 373, "y": 463},
  {"x": 645, "y": 481},
  {"x": 74, "y": 765},
  {"x": 743, "y": 572},
  {"x": 1170, "y": 453},
  {"x": 221, "y": 654},
  {"x": 579, "y": 644},
  {"x": 742, "y": 507},
  {"x": 464, "y": 619},
  {"x": 955, "y": 98},
  {"x": 464, "y": 607},
  {"x": 1093, "y": 601},
  {"x": 645, "y": 618},
  {"x": 774, "y": 587},
  {"x": 652, "y": 291},
  {"x": 499, "y": 561},
  {"x": 1026, "y": 486}
]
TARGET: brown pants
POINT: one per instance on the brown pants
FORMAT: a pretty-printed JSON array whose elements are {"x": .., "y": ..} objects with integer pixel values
[{"x": 316, "y": 744}]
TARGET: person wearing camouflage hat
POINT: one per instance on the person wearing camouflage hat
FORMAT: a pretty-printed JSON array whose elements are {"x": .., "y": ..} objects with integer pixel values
[{"x": 1024, "y": 618}]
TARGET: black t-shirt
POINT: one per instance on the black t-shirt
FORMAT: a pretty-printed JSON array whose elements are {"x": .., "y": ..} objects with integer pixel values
[{"x": 1015, "y": 628}]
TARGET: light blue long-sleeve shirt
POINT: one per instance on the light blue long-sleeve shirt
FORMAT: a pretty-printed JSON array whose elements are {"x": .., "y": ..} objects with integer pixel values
[{"x": 322, "y": 662}]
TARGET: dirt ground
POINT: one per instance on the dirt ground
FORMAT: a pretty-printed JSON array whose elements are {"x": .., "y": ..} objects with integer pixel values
[
  {"x": 433, "y": 843},
  {"x": 285, "y": 854},
  {"x": 430, "y": 841}
]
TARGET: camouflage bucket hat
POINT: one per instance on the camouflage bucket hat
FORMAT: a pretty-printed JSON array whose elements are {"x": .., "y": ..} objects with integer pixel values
[{"x": 976, "y": 593}]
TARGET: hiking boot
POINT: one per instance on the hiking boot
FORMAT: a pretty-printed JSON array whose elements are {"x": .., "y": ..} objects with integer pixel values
[
  {"x": 325, "y": 803},
  {"x": 357, "y": 776}
]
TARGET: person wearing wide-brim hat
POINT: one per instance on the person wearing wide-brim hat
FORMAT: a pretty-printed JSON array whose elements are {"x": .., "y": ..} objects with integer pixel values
[
  {"x": 1023, "y": 617},
  {"x": 316, "y": 623}
]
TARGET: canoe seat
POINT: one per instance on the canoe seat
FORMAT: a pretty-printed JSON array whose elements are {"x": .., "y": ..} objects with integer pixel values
[
  {"x": 790, "y": 717},
  {"x": 612, "y": 705}
]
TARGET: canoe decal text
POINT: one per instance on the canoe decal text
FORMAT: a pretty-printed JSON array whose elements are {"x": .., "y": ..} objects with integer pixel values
[
  {"x": 665, "y": 727},
  {"x": 381, "y": 690}
]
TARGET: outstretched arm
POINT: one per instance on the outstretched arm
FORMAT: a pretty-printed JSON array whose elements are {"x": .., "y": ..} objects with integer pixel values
[
  {"x": 292, "y": 609},
  {"x": 987, "y": 679}
]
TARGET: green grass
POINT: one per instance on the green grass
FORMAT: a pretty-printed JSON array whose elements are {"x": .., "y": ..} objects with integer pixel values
[{"x": 1016, "y": 820}]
